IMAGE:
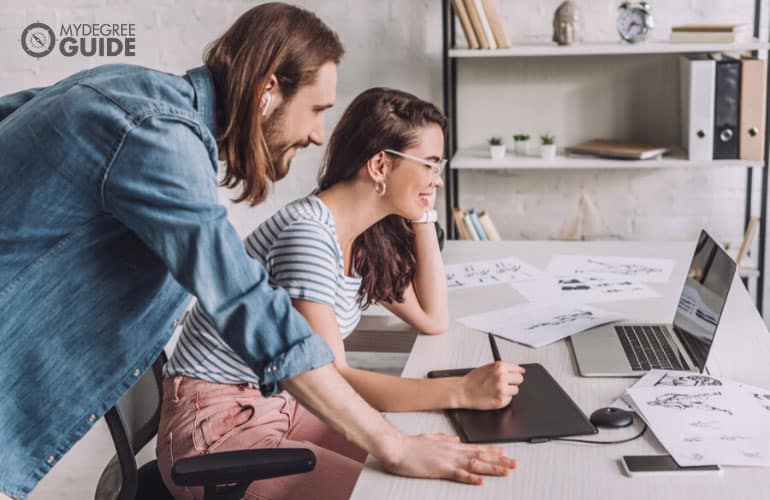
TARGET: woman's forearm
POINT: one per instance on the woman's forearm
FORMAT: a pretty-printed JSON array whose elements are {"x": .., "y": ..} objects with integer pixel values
[
  {"x": 395, "y": 394},
  {"x": 429, "y": 277}
]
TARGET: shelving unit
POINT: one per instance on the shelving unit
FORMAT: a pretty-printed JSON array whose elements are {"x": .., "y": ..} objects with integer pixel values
[
  {"x": 546, "y": 49},
  {"x": 473, "y": 159}
]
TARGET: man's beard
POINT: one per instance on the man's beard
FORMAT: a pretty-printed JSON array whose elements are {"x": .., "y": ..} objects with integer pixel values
[{"x": 276, "y": 146}]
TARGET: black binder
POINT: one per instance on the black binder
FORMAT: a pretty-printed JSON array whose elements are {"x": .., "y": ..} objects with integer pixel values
[
  {"x": 541, "y": 411},
  {"x": 726, "y": 108}
]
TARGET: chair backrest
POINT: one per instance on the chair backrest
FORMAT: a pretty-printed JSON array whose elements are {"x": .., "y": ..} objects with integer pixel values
[{"x": 133, "y": 422}]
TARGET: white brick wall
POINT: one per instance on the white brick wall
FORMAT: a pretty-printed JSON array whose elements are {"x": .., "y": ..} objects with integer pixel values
[{"x": 398, "y": 43}]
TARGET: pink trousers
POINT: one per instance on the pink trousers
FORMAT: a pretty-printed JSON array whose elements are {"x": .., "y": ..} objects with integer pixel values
[{"x": 203, "y": 417}]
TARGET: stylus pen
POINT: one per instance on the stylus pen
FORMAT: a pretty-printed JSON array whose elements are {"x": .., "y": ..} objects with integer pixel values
[{"x": 493, "y": 345}]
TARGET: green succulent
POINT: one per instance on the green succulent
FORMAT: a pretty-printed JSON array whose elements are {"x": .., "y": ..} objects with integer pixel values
[{"x": 547, "y": 140}]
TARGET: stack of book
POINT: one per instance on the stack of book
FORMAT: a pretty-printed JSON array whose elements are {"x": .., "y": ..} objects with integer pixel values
[
  {"x": 623, "y": 150},
  {"x": 710, "y": 33},
  {"x": 472, "y": 225},
  {"x": 482, "y": 23}
]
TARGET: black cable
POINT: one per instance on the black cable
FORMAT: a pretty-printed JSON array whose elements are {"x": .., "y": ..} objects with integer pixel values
[{"x": 586, "y": 441}]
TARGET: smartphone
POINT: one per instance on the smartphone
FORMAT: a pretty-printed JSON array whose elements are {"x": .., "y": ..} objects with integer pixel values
[{"x": 643, "y": 465}]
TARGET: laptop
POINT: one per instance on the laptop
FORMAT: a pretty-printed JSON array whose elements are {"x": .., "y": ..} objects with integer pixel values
[{"x": 631, "y": 349}]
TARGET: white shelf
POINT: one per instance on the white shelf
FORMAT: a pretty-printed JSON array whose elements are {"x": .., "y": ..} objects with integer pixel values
[
  {"x": 473, "y": 159},
  {"x": 536, "y": 49}
]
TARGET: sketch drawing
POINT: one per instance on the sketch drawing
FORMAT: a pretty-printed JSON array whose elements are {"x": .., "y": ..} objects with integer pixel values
[
  {"x": 734, "y": 437},
  {"x": 687, "y": 380},
  {"x": 622, "y": 269},
  {"x": 705, "y": 424},
  {"x": 688, "y": 402},
  {"x": 562, "y": 319},
  {"x": 763, "y": 400}
]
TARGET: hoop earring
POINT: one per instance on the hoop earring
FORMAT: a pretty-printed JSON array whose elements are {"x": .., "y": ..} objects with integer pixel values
[
  {"x": 380, "y": 187},
  {"x": 268, "y": 98}
]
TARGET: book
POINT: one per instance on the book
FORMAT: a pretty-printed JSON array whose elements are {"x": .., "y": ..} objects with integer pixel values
[
  {"x": 716, "y": 37},
  {"x": 473, "y": 15},
  {"x": 710, "y": 33},
  {"x": 727, "y": 95},
  {"x": 462, "y": 231},
  {"x": 485, "y": 24},
  {"x": 751, "y": 145},
  {"x": 709, "y": 28},
  {"x": 492, "y": 9},
  {"x": 469, "y": 227},
  {"x": 465, "y": 22},
  {"x": 477, "y": 225},
  {"x": 697, "y": 83},
  {"x": 489, "y": 226},
  {"x": 624, "y": 150}
]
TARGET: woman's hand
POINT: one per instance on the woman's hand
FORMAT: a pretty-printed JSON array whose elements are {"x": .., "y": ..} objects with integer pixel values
[{"x": 490, "y": 386}]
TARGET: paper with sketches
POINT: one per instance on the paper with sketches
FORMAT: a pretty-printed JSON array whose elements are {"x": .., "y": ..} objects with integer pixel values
[
  {"x": 640, "y": 270},
  {"x": 671, "y": 378},
  {"x": 701, "y": 419},
  {"x": 582, "y": 289},
  {"x": 537, "y": 325},
  {"x": 489, "y": 272}
]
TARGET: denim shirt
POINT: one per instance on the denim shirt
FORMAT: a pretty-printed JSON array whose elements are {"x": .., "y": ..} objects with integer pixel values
[{"x": 109, "y": 222}]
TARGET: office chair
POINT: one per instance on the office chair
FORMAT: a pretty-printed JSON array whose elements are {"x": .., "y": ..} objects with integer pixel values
[{"x": 133, "y": 422}]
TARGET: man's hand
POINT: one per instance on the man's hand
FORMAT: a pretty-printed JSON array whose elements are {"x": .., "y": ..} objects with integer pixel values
[
  {"x": 438, "y": 456},
  {"x": 327, "y": 394}
]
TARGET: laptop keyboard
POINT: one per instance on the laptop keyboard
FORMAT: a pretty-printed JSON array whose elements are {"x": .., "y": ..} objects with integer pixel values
[{"x": 646, "y": 348}]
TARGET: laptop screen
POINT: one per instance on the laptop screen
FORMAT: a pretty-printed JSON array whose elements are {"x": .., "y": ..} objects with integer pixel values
[{"x": 703, "y": 298}]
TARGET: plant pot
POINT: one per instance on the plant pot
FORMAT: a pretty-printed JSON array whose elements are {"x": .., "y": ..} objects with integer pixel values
[
  {"x": 548, "y": 151},
  {"x": 521, "y": 148},
  {"x": 497, "y": 152}
]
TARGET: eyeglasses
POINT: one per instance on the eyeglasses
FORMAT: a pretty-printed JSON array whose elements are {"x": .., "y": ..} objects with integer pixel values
[{"x": 437, "y": 166}]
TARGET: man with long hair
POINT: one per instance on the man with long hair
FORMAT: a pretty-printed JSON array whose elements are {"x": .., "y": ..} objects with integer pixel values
[{"x": 111, "y": 221}]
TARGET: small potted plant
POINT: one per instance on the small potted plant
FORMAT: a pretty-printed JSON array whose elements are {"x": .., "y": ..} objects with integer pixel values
[
  {"x": 496, "y": 148},
  {"x": 547, "y": 147},
  {"x": 521, "y": 144}
]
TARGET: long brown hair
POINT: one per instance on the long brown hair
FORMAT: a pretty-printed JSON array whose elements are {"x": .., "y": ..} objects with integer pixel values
[
  {"x": 270, "y": 39},
  {"x": 378, "y": 119}
]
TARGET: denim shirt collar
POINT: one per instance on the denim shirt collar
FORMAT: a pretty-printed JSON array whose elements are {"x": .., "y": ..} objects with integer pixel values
[{"x": 205, "y": 96}]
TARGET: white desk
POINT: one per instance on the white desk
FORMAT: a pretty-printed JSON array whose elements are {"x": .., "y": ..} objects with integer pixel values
[{"x": 569, "y": 470}]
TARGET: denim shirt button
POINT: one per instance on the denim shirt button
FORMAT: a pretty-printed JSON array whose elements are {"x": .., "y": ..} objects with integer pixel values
[
  {"x": 92, "y": 418},
  {"x": 136, "y": 372},
  {"x": 50, "y": 459},
  {"x": 175, "y": 323}
]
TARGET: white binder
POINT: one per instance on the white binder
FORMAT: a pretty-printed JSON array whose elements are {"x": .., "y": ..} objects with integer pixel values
[{"x": 697, "y": 81}]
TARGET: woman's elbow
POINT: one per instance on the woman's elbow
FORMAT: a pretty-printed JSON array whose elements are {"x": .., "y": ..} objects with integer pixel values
[{"x": 436, "y": 326}]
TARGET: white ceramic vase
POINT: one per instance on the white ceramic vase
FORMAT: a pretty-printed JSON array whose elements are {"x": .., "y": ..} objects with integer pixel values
[
  {"x": 521, "y": 148},
  {"x": 548, "y": 151},
  {"x": 497, "y": 152}
]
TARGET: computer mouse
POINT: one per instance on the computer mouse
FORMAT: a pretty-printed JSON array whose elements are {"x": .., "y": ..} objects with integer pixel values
[{"x": 612, "y": 417}]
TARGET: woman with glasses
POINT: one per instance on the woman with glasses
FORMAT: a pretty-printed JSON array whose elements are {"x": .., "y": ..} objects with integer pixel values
[{"x": 365, "y": 235}]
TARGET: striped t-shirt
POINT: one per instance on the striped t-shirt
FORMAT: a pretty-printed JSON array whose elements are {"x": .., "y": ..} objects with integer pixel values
[{"x": 301, "y": 252}]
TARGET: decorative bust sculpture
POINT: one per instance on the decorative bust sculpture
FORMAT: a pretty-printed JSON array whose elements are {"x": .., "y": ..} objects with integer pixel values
[{"x": 566, "y": 30}]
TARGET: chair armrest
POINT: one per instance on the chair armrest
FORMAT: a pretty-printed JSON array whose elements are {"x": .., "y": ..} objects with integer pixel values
[{"x": 241, "y": 466}]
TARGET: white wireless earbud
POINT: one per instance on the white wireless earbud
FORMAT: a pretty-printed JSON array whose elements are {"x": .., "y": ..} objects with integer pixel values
[{"x": 268, "y": 98}]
